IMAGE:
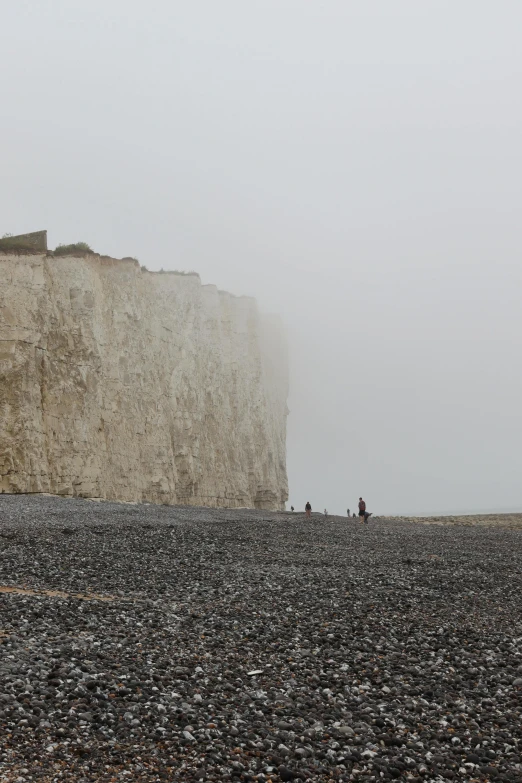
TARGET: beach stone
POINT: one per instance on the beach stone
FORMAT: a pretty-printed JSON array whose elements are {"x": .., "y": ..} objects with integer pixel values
[
  {"x": 285, "y": 773},
  {"x": 197, "y": 662}
]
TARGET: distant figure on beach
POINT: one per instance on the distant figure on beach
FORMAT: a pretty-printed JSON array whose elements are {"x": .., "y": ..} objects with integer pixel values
[
  {"x": 353, "y": 515},
  {"x": 291, "y": 508},
  {"x": 348, "y": 512},
  {"x": 308, "y": 509},
  {"x": 325, "y": 513},
  {"x": 365, "y": 515}
]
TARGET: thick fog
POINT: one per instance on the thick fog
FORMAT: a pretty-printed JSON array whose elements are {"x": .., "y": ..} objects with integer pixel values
[{"x": 355, "y": 166}]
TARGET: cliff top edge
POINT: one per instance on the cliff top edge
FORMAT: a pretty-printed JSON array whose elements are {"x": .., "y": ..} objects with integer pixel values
[
  {"x": 87, "y": 255},
  {"x": 31, "y": 254}
]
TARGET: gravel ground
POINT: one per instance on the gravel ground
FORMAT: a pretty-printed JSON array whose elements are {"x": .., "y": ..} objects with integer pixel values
[
  {"x": 513, "y": 521},
  {"x": 147, "y": 643}
]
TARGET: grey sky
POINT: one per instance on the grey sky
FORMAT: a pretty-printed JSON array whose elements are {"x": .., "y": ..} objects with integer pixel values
[{"x": 355, "y": 165}]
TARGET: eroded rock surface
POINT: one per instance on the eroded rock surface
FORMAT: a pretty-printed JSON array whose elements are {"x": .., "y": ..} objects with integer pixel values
[{"x": 124, "y": 384}]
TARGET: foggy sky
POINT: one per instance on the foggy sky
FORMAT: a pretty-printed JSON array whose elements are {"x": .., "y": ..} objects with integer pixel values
[{"x": 356, "y": 166}]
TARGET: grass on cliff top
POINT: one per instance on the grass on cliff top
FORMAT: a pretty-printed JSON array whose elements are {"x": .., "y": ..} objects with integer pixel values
[
  {"x": 9, "y": 244},
  {"x": 170, "y": 272},
  {"x": 76, "y": 247}
]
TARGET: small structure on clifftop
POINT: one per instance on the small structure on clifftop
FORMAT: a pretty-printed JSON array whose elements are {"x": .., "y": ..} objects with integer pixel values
[{"x": 36, "y": 240}]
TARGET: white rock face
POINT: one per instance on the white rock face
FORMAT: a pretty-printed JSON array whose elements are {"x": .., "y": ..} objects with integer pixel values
[{"x": 123, "y": 384}]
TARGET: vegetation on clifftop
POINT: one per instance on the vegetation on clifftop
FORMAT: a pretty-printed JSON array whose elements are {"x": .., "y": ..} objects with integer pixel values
[
  {"x": 13, "y": 244},
  {"x": 76, "y": 247}
]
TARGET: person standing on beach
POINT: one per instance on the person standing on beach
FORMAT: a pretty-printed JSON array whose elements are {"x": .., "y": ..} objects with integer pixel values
[
  {"x": 362, "y": 509},
  {"x": 308, "y": 509}
]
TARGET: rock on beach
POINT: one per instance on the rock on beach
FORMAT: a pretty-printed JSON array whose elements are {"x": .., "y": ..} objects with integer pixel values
[{"x": 155, "y": 643}]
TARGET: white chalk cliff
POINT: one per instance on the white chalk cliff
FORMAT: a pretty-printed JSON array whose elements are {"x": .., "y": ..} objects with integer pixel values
[{"x": 125, "y": 384}]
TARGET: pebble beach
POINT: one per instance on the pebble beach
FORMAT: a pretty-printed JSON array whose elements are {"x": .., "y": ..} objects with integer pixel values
[
  {"x": 511, "y": 521},
  {"x": 154, "y": 643}
]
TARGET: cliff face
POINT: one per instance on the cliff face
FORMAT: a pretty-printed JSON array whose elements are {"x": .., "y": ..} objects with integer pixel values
[{"x": 123, "y": 384}]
